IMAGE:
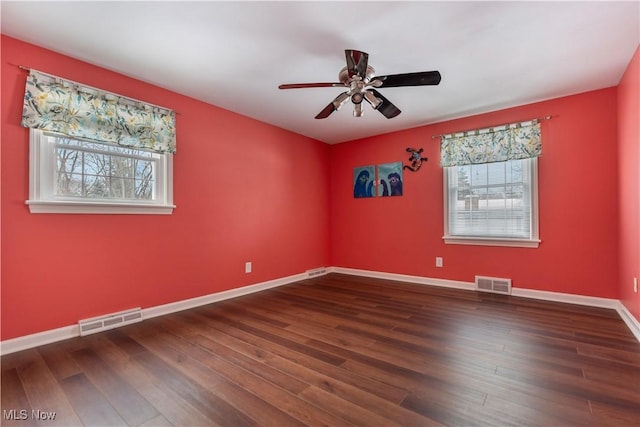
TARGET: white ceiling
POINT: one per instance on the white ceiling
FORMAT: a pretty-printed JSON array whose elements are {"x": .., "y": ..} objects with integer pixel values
[{"x": 491, "y": 55}]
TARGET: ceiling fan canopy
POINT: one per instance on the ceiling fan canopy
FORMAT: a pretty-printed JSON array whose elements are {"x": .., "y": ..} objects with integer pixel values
[{"x": 361, "y": 82}]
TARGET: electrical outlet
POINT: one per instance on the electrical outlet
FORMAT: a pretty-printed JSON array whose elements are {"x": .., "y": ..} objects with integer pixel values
[
  {"x": 438, "y": 261},
  {"x": 635, "y": 285},
  {"x": 247, "y": 267}
]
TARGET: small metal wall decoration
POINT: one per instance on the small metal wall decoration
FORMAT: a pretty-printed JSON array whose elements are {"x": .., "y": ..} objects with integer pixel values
[{"x": 416, "y": 159}]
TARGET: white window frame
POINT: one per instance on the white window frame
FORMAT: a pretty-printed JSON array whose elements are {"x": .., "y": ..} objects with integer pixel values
[
  {"x": 42, "y": 199},
  {"x": 532, "y": 242}
]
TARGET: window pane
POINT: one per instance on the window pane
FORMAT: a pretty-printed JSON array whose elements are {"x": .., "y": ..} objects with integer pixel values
[
  {"x": 93, "y": 170},
  {"x": 68, "y": 160},
  {"x": 143, "y": 169},
  {"x": 95, "y": 164},
  {"x": 95, "y": 186},
  {"x": 122, "y": 188},
  {"x": 144, "y": 180},
  {"x": 144, "y": 189},
  {"x": 69, "y": 184}
]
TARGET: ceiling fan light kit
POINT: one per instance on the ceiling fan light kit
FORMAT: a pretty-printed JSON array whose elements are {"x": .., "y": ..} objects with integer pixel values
[{"x": 360, "y": 80}]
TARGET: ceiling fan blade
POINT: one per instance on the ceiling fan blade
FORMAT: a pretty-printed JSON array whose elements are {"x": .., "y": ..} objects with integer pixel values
[
  {"x": 386, "y": 107},
  {"x": 326, "y": 111},
  {"x": 334, "y": 105},
  {"x": 308, "y": 85},
  {"x": 356, "y": 62},
  {"x": 408, "y": 79}
]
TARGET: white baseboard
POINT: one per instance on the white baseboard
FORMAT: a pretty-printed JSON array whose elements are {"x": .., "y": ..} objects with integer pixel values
[
  {"x": 445, "y": 283},
  {"x": 46, "y": 337},
  {"x": 41, "y": 338},
  {"x": 173, "y": 307},
  {"x": 632, "y": 323},
  {"x": 566, "y": 298}
]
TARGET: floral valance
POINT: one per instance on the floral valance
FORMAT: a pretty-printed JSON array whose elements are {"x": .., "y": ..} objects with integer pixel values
[
  {"x": 509, "y": 142},
  {"x": 58, "y": 105}
]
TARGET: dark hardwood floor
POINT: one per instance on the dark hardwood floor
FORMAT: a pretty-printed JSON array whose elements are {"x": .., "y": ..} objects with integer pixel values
[{"x": 339, "y": 350}]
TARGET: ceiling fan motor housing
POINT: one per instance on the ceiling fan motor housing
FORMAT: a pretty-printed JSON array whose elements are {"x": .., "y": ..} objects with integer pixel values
[
  {"x": 357, "y": 87},
  {"x": 344, "y": 78}
]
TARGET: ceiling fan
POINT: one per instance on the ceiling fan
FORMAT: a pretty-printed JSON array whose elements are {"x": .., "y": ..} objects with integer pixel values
[{"x": 360, "y": 80}]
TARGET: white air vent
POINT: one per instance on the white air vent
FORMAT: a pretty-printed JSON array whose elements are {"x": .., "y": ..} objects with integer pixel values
[
  {"x": 316, "y": 272},
  {"x": 109, "y": 321},
  {"x": 493, "y": 284}
]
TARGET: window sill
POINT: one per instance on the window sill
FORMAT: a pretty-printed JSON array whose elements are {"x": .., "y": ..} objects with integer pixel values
[
  {"x": 73, "y": 207},
  {"x": 488, "y": 241}
]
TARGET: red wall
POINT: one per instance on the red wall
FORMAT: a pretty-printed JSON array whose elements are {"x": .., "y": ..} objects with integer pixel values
[
  {"x": 629, "y": 183},
  {"x": 577, "y": 193},
  {"x": 247, "y": 191},
  {"x": 244, "y": 190}
]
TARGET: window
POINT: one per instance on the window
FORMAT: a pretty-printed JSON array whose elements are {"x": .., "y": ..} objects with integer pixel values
[
  {"x": 492, "y": 203},
  {"x": 72, "y": 175}
]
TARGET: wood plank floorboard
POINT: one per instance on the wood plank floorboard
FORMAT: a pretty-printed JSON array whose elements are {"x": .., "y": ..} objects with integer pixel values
[{"x": 339, "y": 350}]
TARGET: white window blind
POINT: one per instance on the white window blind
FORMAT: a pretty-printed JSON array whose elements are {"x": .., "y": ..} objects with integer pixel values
[{"x": 492, "y": 203}]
